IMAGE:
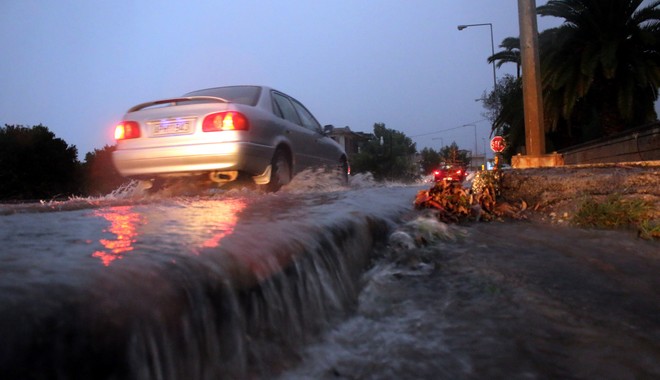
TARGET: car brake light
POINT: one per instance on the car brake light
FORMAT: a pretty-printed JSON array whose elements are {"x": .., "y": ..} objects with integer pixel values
[
  {"x": 127, "y": 130},
  {"x": 458, "y": 172},
  {"x": 225, "y": 121}
]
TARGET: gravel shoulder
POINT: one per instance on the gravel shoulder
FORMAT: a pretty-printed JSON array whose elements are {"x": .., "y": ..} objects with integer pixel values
[{"x": 555, "y": 194}]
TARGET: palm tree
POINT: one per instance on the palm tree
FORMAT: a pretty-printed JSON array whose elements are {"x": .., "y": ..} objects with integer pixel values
[
  {"x": 510, "y": 54},
  {"x": 509, "y": 121},
  {"x": 601, "y": 67}
]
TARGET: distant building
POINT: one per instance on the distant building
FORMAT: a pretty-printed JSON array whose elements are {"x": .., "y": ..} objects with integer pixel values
[
  {"x": 351, "y": 141},
  {"x": 478, "y": 161}
]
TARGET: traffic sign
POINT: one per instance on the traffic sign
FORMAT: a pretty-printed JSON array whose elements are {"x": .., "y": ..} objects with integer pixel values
[{"x": 497, "y": 144}]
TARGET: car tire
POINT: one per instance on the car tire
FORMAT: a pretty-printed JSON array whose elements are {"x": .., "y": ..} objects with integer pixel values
[
  {"x": 280, "y": 171},
  {"x": 343, "y": 170},
  {"x": 155, "y": 185}
]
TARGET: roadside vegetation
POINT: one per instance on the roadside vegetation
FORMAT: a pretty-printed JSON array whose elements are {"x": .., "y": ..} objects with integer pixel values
[
  {"x": 388, "y": 156},
  {"x": 450, "y": 202},
  {"x": 430, "y": 158},
  {"x": 616, "y": 212},
  {"x": 37, "y": 165},
  {"x": 600, "y": 73}
]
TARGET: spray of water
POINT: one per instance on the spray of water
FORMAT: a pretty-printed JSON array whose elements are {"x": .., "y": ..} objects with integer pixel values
[
  {"x": 201, "y": 282},
  {"x": 387, "y": 324}
]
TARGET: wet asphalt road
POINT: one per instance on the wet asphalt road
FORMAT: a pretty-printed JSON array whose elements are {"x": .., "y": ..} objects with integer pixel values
[{"x": 514, "y": 300}]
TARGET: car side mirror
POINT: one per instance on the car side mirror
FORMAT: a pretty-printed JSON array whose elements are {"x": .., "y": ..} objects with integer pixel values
[{"x": 327, "y": 129}]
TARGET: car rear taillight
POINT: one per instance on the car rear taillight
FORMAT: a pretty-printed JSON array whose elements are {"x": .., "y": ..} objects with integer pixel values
[
  {"x": 127, "y": 130},
  {"x": 225, "y": 121}
]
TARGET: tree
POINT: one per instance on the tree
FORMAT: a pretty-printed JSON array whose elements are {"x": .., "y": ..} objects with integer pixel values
[
  {"x": 99, "y": 173},
  {"x": 600, "y": 73},
  {"x": 430, "y": 159},
  {"x": 34, "y": 164},
  {"x": 510, "y": 54},
  {"x": 505, "y": 110},
  {"x": 388, "y": 156},
  {"x": 601, "y": 67},
  {"x": 451, "y": 154}
]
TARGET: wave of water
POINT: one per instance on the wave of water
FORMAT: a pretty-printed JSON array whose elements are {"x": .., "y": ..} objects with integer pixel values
[{"x": 186, "y": 282}]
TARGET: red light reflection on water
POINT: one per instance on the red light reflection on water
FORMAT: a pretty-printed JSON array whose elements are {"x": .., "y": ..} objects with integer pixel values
[
  {"x": 223, "y": 217},
  {"x": 123, "y": 224},
  {"x": 216, "y": 219}
]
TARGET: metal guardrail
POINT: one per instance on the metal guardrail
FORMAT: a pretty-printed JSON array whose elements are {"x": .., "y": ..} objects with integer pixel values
[{"x": 640, "y": 144}]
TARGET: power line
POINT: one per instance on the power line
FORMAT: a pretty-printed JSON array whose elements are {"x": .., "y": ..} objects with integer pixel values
[
  {"x": 449, "y": 129},
  {"x": 440, "y": 131}
]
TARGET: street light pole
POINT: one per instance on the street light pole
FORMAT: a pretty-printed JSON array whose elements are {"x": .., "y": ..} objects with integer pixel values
[
  {"x": 485, "y": 152},
  {"x": 492, "y": 46},
  {"x": 476, "y": 152},
  {"x": 492, "y": 51}
]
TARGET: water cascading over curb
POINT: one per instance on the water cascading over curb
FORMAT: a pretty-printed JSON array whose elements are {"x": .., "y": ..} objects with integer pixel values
[{"x": 242, "y": 308}]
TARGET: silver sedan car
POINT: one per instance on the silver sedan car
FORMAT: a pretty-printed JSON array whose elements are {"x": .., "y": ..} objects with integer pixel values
[{"x": 223, "y": 133}]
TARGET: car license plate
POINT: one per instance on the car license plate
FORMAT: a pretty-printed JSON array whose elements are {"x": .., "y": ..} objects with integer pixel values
[{"x": 171, "y": 127}]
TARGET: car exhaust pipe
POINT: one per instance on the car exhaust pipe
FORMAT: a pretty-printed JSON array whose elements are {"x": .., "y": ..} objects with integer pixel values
[{"x": 223, "y": 177}]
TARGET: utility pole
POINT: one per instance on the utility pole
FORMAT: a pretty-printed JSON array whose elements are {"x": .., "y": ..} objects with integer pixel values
[{"x": 532, "y": 96}]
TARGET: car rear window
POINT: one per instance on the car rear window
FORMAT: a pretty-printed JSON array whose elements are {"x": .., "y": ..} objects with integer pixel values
[{"x": 248, "y": 95}]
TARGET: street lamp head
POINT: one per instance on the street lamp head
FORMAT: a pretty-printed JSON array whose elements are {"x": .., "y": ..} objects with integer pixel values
[{"x": 492, "y": 45}]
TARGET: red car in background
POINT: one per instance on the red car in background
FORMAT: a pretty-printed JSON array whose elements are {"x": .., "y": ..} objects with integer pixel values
[{"x": 451, "y": 173}]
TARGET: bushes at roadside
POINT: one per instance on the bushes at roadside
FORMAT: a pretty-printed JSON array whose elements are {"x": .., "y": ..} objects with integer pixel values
[
  {"x": 99, "y": 174},
  {"x": 34, "y": 164},
  {"x": 615, "y": 212}
]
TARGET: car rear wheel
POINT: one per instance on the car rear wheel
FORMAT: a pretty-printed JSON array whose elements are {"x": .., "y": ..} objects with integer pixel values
[
  {"x": 153, "y": 186},
  {"x": 343, "y": 171},
  {"x": 280, "y": 171}
]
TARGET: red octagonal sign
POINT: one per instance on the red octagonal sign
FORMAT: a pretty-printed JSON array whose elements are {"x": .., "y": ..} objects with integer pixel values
[{"x": 497, "y": 144}]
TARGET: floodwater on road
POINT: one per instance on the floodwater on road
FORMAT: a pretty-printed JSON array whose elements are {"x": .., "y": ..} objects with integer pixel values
[
  {"x": 304, "y": 284},
  {"x": 513, "y": 300},
  {"x": 223, "y": 284}
]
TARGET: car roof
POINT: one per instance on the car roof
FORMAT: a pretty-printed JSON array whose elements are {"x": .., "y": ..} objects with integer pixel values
[
  {"x": 264, "y": 88},
  {"x": 233, "y": 85}
]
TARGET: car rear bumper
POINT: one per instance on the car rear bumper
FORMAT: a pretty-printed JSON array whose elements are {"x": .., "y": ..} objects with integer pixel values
[{"x": 191, "y": 159}]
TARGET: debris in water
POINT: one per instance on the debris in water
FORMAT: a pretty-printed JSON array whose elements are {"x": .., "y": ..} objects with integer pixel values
[
  {"x": 452, "y": 203},
  {"x": 400, "y": 240},
  {"x": 422, "y": 231}
]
